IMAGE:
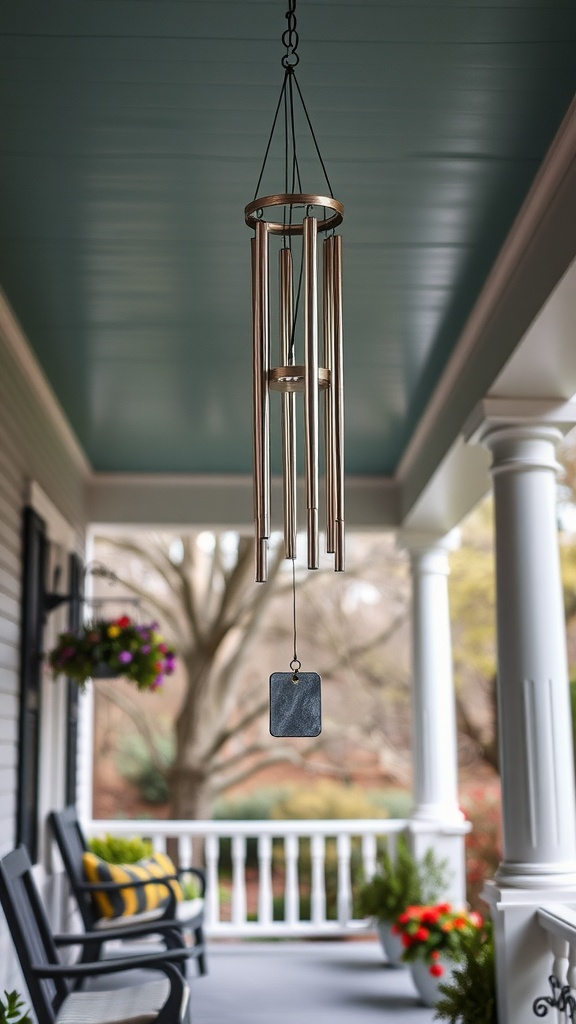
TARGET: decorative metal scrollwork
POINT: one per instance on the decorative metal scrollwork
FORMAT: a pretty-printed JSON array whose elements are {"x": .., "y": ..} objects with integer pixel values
[{"x": 561, "y": 999}]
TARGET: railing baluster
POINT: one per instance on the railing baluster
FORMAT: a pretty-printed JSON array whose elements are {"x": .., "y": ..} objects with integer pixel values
[
  {"x": 369, "y": 855},
  {"x": 292, "y": 893},
  {"x": 185, "y": 851},
  {"x": 212, "y": 854},
  {"x": 159, "y": 843},
  {"x": 318, "y": 893},
  {"x": 344, "y": 902},
  {"x": 559, "y": 948},
  {"x": 265, "y": 902},
  {"x": 239, "y": 880}
]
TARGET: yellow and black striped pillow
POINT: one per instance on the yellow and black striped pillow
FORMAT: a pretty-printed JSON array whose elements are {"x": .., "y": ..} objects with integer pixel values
[{"x": 124, "y": 902}]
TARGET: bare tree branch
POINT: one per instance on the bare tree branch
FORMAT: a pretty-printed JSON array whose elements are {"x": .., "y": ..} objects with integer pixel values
[{"x": 138, "y": 717}]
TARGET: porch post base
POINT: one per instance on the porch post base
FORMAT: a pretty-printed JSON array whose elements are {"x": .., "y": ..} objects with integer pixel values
[
  {"x": 523, "y": 954},
  {"x": 536, "y": 876}
]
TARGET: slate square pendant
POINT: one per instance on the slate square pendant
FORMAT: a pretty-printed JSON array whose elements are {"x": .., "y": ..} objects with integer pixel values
[{"x": 295, "y": 704}]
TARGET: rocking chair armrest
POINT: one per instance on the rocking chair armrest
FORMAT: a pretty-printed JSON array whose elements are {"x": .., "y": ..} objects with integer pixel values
[
  {"x": 200, "y": 874},
  {"x": 131, "y": 931},
  {"x": 168, "y": 959}
]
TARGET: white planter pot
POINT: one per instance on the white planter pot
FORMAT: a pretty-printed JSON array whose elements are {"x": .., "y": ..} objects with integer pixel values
[
  {"x": 391, "y": 944},
  {"x": 426, "y": 983}
]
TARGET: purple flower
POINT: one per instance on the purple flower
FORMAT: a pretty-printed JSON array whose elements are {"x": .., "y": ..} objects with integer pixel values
[
  {"x": 124, "y": 657},
  {"x": 145, "y": 648},
  {"x": 66, "y": 653},
  {"x": 157, "y": 683}
]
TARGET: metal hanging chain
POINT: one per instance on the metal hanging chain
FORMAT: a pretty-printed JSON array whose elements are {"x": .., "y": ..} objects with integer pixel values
[
  {"x": 295, "y": 664},
  {"x": 290, "y": 60},
  {"x": 290, "y": 38}
]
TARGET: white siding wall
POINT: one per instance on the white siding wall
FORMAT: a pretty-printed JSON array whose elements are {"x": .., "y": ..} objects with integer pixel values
[{"x": 33, "y": 447}]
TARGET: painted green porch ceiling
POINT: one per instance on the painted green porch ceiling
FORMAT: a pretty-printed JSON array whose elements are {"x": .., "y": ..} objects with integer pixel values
[{"x": 131, "y": 137}]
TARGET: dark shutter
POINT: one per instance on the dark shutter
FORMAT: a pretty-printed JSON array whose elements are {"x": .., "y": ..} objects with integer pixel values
[
  {"x": 75, "y": 589},
  {"x": 33, "y": 580}
]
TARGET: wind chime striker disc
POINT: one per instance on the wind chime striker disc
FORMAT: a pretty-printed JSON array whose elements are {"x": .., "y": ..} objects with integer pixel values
[{"x": 295, "y": 704}]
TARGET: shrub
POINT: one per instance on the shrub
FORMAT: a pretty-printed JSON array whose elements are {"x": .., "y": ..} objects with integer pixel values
[
  {"x": 12, "y": 1009},
  {"x": 470, "y": 995},
  {"x": 400, "y": 882},
  {"x": 118, "y": 850},
  {"x": 327, "y": 800}
]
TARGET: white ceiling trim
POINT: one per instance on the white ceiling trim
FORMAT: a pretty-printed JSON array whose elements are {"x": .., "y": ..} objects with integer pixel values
[
  {"x": 16, "y": 342},
  {"x": 219, "y": 502},
  {"x": 527, "y": 243}
]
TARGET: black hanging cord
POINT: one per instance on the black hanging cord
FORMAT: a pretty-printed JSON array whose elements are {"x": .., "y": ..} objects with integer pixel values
[
  {"x": 295, "y": 664},
  {"x": 290, "y": 60}
]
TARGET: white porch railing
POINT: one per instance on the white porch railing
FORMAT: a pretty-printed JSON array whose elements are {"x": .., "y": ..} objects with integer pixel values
[
  {"x": 266, "y": 894},
  {"x": 559, "y": 922}
]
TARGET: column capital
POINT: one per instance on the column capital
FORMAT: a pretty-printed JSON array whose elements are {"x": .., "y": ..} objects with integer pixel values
[
  {"x": 494, "y": 416},
  {"x": 419, "y": 542}
]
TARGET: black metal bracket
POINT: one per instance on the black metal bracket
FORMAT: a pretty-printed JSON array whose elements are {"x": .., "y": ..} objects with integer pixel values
[
  {"x": 561, "y": 999},
  {"x": 52, "y": 599}
]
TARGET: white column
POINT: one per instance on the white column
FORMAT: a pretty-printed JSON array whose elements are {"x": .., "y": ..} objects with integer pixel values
[
  {"x": 538, "y": 802},
  {"x": 536, "y": 766},
  {"x": 436, "y": 820},
  {"x": 433, "y": 709}
]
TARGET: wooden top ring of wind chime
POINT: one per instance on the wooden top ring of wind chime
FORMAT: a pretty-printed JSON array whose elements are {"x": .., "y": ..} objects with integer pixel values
[{"x": 304, "y": 217}]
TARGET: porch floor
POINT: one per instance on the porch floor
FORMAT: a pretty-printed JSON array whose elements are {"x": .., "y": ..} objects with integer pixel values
[{"x": 289, "y": 982}]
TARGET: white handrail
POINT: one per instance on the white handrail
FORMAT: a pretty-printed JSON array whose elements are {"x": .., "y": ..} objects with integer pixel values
[{"x": 246, "y": 905}]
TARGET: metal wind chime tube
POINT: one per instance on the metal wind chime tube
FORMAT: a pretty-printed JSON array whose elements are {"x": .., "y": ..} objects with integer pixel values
[
  {"x": 260, "y": 392},
  {"x": 311, "y": 388},
  {"x": 328, "y": 269},
  {"x": 288, "y": 404},
  {"x": 337, "y": 399},
  {"x": 305, "y": 216}
]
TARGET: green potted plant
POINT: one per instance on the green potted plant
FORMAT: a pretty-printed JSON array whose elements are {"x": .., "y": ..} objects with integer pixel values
[
  {"x": 400, "y": 881},
  {"x": 434, "y": 938},
  {"x": 469, "y": 997},
  {"x": 109, "y": 648},
  {"x": 12, "y": 1009}
]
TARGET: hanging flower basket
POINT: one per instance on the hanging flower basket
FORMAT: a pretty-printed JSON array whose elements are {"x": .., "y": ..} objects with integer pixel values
[{"x": 106, "y": 649}]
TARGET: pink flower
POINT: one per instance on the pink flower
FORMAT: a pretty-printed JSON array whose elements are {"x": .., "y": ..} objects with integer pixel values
[{"x": 125, "y": 657}]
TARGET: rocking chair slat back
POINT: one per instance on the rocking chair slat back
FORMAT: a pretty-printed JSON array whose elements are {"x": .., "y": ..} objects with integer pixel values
[{"x": 31, "y": 933}]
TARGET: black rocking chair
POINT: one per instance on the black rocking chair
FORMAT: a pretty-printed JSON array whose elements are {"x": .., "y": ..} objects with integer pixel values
[
  {"x": 176, "y": 917},
  {"x": 49, "y": 980}
]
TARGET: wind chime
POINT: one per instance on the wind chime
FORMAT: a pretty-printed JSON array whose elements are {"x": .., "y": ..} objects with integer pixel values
[{"x": 295, "y": 695}]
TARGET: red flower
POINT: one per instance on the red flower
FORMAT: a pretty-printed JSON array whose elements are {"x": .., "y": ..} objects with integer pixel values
[
  {"x": 123, "y": 622},
  {"x": 435, "y": 954},
  {"x": 436, "y": 970},
  {"x": 422, "y": 934},
  {"x": 407, "y": 941},
  {"x": 476, "y": 918},
  {"x": 430, "y": 915},
  {"x": 395, "y": 929}
]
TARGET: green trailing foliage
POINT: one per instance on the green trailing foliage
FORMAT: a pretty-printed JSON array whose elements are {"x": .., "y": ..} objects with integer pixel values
[
  {"x": 400, "y": 882},
  {"x": 12, "y": 1009},
  {"x": 118, "y": 850},
  {"x": 144, "y": 769},
  {"x": 470, "y": 995}
]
